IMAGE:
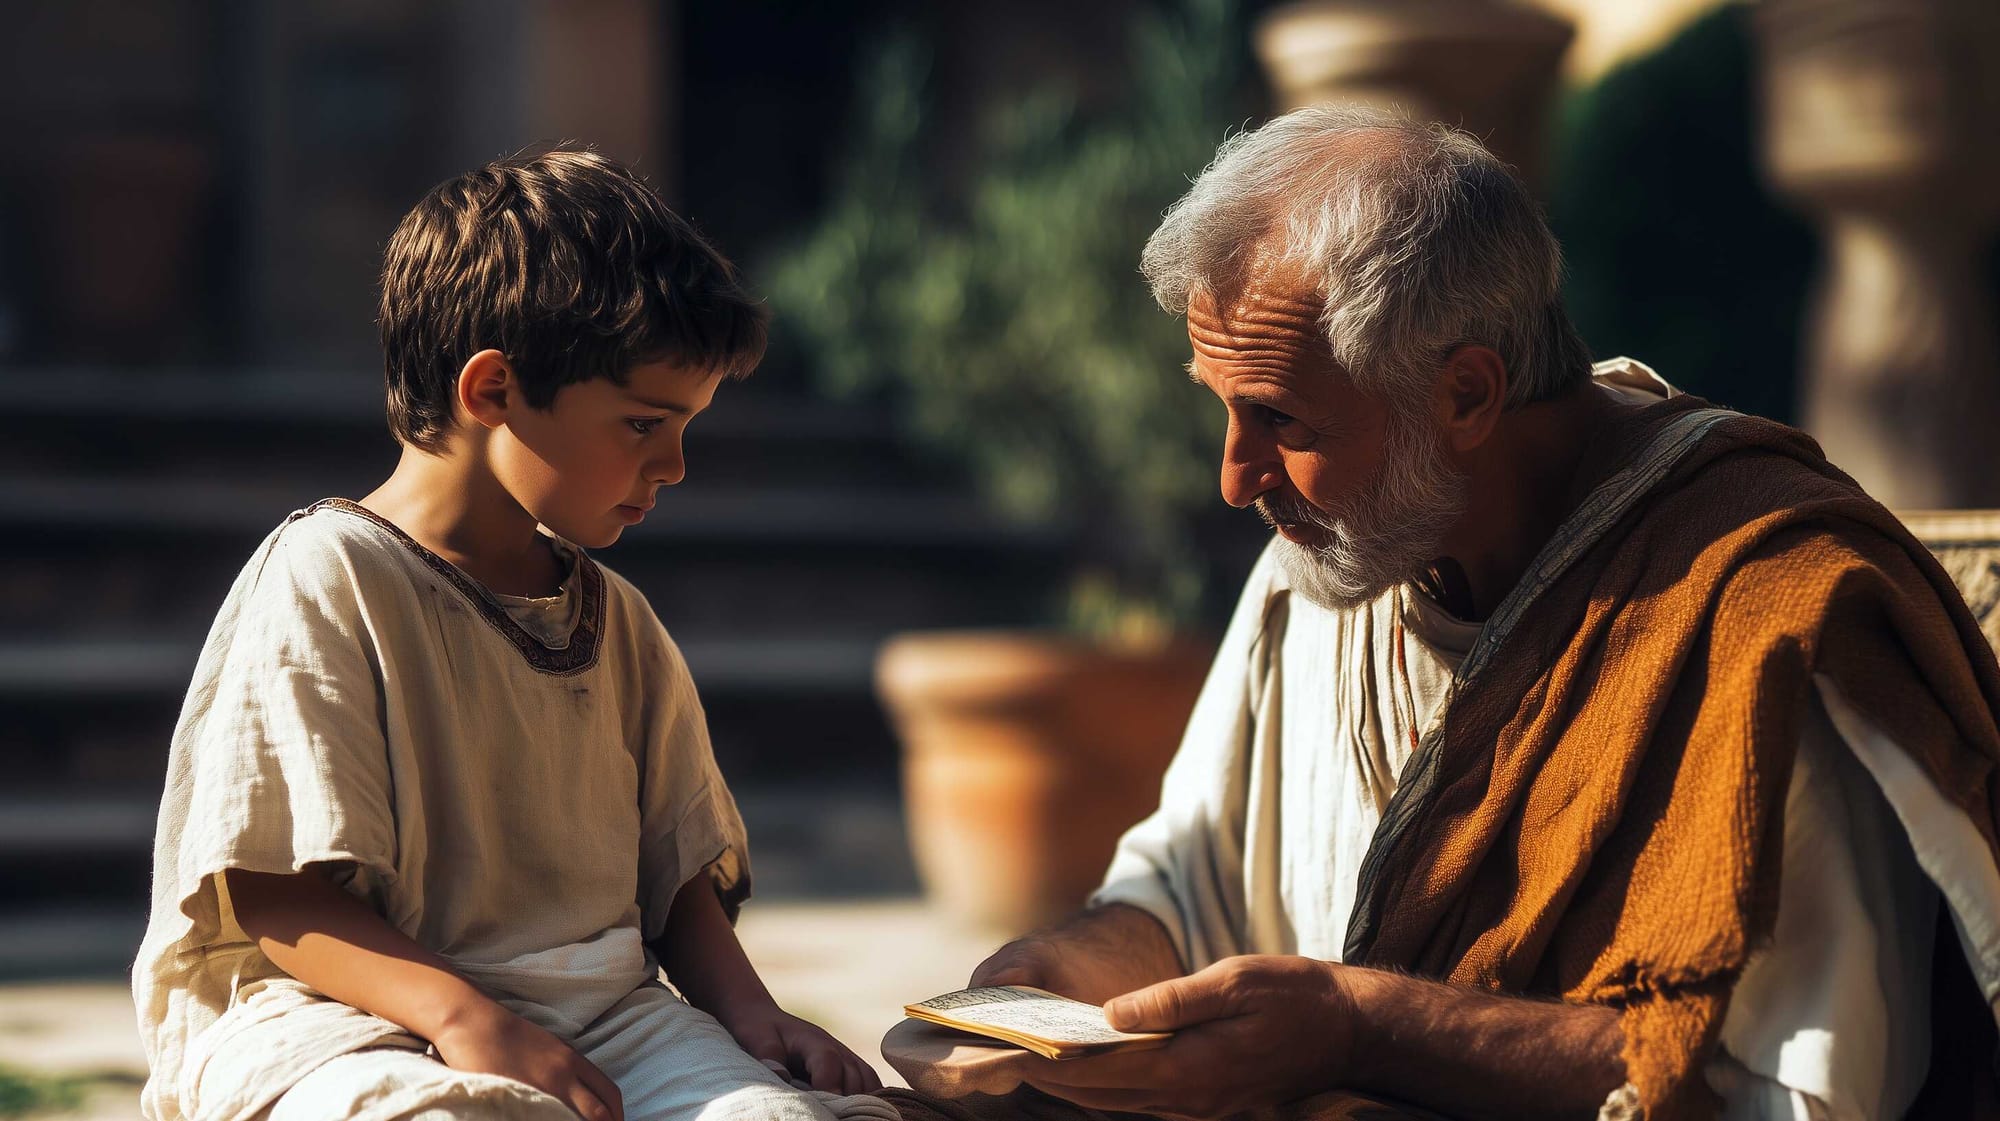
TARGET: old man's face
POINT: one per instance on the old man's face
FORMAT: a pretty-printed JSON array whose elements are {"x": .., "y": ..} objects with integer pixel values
[{"x": 1361, "y": 490}]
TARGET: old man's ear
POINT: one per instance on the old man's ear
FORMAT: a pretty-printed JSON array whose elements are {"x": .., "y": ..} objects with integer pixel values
[{"x": 1471, "y": 393}]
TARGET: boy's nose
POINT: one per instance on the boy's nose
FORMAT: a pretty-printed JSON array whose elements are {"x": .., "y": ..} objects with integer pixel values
[{"x": 666, "y": 470}]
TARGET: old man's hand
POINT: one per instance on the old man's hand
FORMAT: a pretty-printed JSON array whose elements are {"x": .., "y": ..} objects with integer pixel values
[
  {"x": 1095, "y": 956},
  {"x": 1055, "y": 964},
  {"x": 1249, "y": 1032}
]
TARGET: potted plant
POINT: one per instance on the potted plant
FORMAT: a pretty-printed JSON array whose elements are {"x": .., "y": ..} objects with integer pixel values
[{"x": 1008, "y": 323}]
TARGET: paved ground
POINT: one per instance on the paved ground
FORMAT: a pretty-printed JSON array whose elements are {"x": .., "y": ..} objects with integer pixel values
[{"x": 849, "y": 966}]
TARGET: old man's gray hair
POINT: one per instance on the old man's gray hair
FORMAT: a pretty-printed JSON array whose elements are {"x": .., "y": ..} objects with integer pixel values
[{"x": 1419, "y": 241}]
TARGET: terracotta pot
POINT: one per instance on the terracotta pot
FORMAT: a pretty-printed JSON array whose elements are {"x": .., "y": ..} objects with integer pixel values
[{"x": 1026, "y": 756}]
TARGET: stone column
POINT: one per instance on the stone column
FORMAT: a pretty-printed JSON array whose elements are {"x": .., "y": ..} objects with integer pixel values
[
  {"x": 1486, "y": 66},
  {"x": 1879, "y": 117}
]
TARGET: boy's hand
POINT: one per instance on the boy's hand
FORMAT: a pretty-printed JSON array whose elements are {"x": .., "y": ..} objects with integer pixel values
[
  {"x": 808, "y": 1052},
  {"x": 330, "y": 940},
  {"x": 493, "y": 1040}
]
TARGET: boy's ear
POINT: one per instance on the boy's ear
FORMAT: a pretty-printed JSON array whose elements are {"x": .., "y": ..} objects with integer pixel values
[{"x": 486, "y": 388}]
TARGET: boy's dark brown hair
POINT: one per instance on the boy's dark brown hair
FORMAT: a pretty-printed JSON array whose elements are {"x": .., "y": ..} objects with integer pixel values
[{"x": 566, "y": 263}]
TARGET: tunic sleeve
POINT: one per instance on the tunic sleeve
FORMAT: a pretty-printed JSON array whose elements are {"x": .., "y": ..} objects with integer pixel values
[
  {"x": 279, "y": 758},
  {"x": 1184, "y": 864},
  {"x": 689, "y": 824}
]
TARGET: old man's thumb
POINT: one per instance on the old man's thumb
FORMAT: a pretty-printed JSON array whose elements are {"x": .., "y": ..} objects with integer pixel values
[{"x": 1167, "y": 1006}]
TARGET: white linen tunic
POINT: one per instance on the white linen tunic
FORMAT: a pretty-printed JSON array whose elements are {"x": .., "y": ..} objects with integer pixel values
[
  {"x": 520, "y": 786},
  {"x": 1295, "y": 749}
]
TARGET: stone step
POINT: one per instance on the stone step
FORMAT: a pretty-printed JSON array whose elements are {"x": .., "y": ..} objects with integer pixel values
[
  {"x": 805, "y": 534},
  {"x": 95, "y": 555},
  {"x": 78, "y": 862},
  {"x": 41, "y": 940},
  {"x": 59, "y": 671},
  {"x": 330, "y": 428},
  {"x": 891, "y": 517},
  {"x": 96, "y": 715},
  {"x": 791, "y": 826},
  {"x": 81, "y": 823}
]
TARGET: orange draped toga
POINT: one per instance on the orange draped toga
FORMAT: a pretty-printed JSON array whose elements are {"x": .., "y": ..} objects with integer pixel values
[{"x": 1599, "y": 814}]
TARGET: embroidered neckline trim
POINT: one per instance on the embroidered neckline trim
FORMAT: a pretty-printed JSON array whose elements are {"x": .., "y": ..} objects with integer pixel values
[{"x": 584, "y": 640}]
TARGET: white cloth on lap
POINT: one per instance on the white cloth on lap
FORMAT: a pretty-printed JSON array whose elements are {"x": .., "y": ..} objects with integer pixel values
[{"x": 668, "y": 1059}]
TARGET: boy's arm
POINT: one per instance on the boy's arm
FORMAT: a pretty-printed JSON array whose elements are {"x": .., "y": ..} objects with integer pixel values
[
  {"x": 707, "y": 964},
  {"x": 323, "y": 936}
]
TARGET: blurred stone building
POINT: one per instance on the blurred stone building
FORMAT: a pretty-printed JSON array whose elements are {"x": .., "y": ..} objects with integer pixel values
[{"x": 192, "y": 213}]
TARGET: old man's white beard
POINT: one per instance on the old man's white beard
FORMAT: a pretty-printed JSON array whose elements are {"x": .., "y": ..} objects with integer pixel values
[{"x": 1385, "y": 536}]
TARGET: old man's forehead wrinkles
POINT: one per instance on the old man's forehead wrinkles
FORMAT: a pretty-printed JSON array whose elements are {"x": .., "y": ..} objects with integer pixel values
[
  {"x": 1240, "y": 359},
  {"x": 1261, "y": 306},
  {"x": 1265, "y": 327},
  {"x": 1270, "y": 341}
]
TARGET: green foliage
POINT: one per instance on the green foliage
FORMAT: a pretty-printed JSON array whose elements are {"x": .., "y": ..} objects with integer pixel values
[
  {"x": 1010, "y": 324},
  {"x": 1678, "y": 255},
  {"x": 22, "y": 1094}
]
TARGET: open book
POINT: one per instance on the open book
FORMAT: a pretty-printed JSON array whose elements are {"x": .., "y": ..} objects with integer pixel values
[{"x": 1052, "y": 1026}]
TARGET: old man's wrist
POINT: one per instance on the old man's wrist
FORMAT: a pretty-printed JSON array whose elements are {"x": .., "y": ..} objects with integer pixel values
[{"x": 1368, "y": 1007}]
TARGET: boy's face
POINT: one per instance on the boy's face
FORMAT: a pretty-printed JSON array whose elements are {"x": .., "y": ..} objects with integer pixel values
[{"x": 591, "y": 463}]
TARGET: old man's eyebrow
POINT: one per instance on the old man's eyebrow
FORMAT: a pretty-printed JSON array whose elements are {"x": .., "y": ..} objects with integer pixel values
[{"x": 1193, "y": 374}]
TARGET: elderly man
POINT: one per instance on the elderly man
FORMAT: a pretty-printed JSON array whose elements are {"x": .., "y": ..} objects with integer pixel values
[{"x": 1577, "y": 748}]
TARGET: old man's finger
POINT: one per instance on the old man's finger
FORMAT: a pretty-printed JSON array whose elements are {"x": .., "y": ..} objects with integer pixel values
[{"x": 1171, "y": 1005}]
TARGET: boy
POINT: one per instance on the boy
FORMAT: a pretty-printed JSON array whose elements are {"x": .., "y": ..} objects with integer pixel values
[{"x": 441, "y": 800}]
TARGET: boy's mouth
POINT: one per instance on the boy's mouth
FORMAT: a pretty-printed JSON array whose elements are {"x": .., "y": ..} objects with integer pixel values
[{"x": 634, "y": 513}]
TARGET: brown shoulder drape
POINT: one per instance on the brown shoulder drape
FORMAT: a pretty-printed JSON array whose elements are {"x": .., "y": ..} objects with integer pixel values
[{"x": 1605, "y": 817}]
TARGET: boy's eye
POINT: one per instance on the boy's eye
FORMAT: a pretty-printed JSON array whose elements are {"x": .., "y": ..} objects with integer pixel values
[{"x": 644, "y": 425}]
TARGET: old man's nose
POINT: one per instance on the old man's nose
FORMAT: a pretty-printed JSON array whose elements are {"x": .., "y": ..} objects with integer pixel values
[
  {"x": 1244, "y": 482},
  {"x": 1249, "y": 468}
]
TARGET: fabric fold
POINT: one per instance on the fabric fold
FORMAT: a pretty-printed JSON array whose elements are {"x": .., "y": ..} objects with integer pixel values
[{"x": 1599, "y": 814}]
